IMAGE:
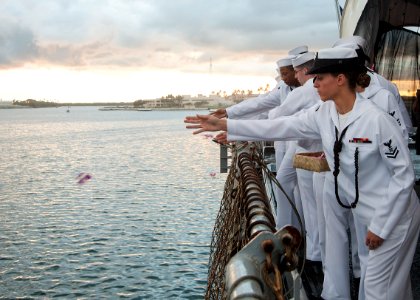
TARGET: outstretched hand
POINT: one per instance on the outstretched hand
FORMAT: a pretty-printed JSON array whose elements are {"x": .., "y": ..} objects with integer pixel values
[
  {"x": 205, "y": 123},
  {"x": 220, "y": 113}
]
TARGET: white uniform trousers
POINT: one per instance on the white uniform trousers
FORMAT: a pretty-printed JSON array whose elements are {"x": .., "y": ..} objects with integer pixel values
[
  {"x": 279, "y": 154},
  {"x": 286, "y": 176},
  {"x": 310, "y": 213},
  {"x": 318, "y": 182},
  {"x": 336, "y": 265},
  {"x": 385, "y": 271},
  {"x": 354, "y": 245},
  {"x": 279, "y": 158}
]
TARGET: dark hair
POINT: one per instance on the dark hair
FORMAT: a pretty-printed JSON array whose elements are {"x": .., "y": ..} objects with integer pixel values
[
  {"x": 289, "y": 67},
  {"x": 309, "y": 64},
  {"x": 356, "y": 77},
  {"x": 363, "y": 80}
]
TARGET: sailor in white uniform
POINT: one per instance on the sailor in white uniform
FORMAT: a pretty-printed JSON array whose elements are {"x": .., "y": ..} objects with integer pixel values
[
  {"x": 298, "y": 100},
  {"x": 304, "y": 98},
  {"x": 286, "y": 70},
  {"x": 377, "y": 79},
  {"x": 372, "y": 172},
  {"x": 387, "y": 102},
  {"x": 286, "y": 73}
]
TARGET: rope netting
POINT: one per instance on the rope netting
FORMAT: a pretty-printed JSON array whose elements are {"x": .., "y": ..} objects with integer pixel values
[{"x": 231, "y": 230}]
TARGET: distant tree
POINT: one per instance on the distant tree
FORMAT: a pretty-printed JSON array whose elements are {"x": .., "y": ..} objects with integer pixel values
[
  {"x": 35, "y": 103},
  {"x": 138, "y": 103}
]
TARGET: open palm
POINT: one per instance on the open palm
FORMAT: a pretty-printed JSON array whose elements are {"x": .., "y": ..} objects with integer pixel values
[{"x": 205, "y": 123}]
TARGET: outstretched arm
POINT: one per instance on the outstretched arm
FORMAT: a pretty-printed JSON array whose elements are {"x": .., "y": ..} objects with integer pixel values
[{"x": 205, "y": 123}]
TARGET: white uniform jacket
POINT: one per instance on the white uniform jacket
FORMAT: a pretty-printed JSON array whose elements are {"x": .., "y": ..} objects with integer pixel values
[
  {"x": 391, "y": 87},
  {"x": 301, "y": 98},
  {"x": 251, "y": 108},
  {"x": 309, "y": 145},
  {"x": 387, "y": 102},
  {"x": 385, "y": 176}
]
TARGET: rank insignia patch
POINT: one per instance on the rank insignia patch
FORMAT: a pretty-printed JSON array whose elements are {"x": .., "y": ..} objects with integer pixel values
[
  {"x": 392, "y": 152},
  {"x": 392, "y": 114}
]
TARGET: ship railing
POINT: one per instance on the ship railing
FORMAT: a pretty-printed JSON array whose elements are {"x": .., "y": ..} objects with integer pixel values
[{"x": 249, "y": 258}]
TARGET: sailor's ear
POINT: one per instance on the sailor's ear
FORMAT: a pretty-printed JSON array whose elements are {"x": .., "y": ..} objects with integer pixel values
[{"x": 341, "y": 79}]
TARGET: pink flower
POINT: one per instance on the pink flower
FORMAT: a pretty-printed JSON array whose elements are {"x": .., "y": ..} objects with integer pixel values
[{"x": 82, "y": 178}]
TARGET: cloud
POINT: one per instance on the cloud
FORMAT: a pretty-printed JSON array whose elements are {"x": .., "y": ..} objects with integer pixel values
[
  {"x": 182, "y": 34},
  {"x": 17, "y": 44}
]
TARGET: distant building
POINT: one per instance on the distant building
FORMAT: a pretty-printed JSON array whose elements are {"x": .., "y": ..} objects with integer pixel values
[{"x": 201, "y": 101}]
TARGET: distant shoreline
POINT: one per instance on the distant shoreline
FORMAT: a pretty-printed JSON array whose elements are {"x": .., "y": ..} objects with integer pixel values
[
  {"x": 153, "y": 109},
  {"x": 11, "y": 106}
]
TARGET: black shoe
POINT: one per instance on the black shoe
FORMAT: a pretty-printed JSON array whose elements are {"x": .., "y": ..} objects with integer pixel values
[
  {"x": 312, "y": 279},
  {"x": 354, "y": 286}
]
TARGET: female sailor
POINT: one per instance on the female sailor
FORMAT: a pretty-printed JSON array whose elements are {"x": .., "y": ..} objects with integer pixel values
[{"x": 372, "y": 172}]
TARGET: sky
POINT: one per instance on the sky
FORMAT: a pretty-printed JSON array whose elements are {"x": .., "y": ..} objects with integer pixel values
[{"x": 126, "y": 50}]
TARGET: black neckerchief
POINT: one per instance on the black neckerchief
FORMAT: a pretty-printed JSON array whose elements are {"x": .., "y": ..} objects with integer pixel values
[{"x": 338, "y": 145}]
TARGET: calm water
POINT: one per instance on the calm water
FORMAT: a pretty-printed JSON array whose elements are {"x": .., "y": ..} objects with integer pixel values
[{"x": 140, "y": 228}]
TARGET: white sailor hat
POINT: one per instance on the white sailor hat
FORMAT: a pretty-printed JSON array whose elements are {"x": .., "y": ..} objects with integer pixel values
[
  {"x": 285, "y": 61},
  {"x": 347, "y": 45},
  {"x": 332, "y": 60},
  {"x": 303, "y": 58},
  {"x": 355, "y": 39},
  {"x": 298, "y": 50},
  {"x": 357, "y": 47}
]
